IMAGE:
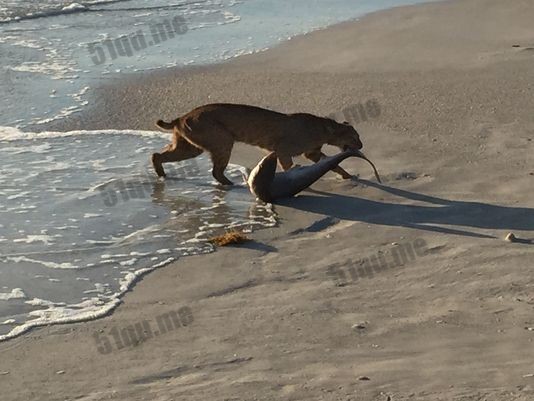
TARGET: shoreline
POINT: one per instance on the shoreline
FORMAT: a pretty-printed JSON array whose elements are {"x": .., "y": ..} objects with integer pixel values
[
  {"x": 72, "y": 120},
  {"x": 91, "y": 113},
  {"x": 452, "y": 145}
]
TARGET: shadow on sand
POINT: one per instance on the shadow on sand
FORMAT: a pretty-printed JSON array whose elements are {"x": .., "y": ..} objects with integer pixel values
[{"x": 432, "y": 217}]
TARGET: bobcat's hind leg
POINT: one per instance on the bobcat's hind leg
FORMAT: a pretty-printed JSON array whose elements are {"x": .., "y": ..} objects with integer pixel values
[{"x": 217, "y": 141}]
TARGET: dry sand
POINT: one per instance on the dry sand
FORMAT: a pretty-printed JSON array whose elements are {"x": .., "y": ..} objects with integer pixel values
[{"x": 454, "y": 145}]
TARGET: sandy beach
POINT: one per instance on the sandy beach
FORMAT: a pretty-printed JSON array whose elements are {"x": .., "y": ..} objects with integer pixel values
[{"x": 293, "y": 314}]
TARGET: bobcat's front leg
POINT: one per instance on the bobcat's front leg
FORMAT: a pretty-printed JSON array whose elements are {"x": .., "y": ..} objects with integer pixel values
[{"x": 285, "y": 161}]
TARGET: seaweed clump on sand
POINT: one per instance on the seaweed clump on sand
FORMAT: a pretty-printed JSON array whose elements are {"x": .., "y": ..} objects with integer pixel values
[{"x": 229, "y": 238}]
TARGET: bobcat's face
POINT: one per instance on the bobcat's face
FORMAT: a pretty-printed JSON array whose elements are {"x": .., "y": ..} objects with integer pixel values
[{"x": 344, "y": 136}]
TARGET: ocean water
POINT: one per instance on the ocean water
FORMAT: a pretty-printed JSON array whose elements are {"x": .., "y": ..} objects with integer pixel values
[{"x": 80, "y": 222}]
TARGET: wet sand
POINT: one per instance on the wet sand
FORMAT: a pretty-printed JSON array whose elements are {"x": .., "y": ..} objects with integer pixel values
[{"x": 294, "y": 314}]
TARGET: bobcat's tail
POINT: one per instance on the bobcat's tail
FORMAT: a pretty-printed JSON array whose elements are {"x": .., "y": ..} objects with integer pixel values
[{"x": 166, "y": 126}]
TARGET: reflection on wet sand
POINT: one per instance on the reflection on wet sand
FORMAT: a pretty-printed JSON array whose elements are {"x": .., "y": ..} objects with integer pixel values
[{"x": 216, "y": 211}]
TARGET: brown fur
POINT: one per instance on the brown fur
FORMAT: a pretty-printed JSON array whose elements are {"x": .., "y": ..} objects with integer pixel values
[{"x": 215, "y": 127}]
